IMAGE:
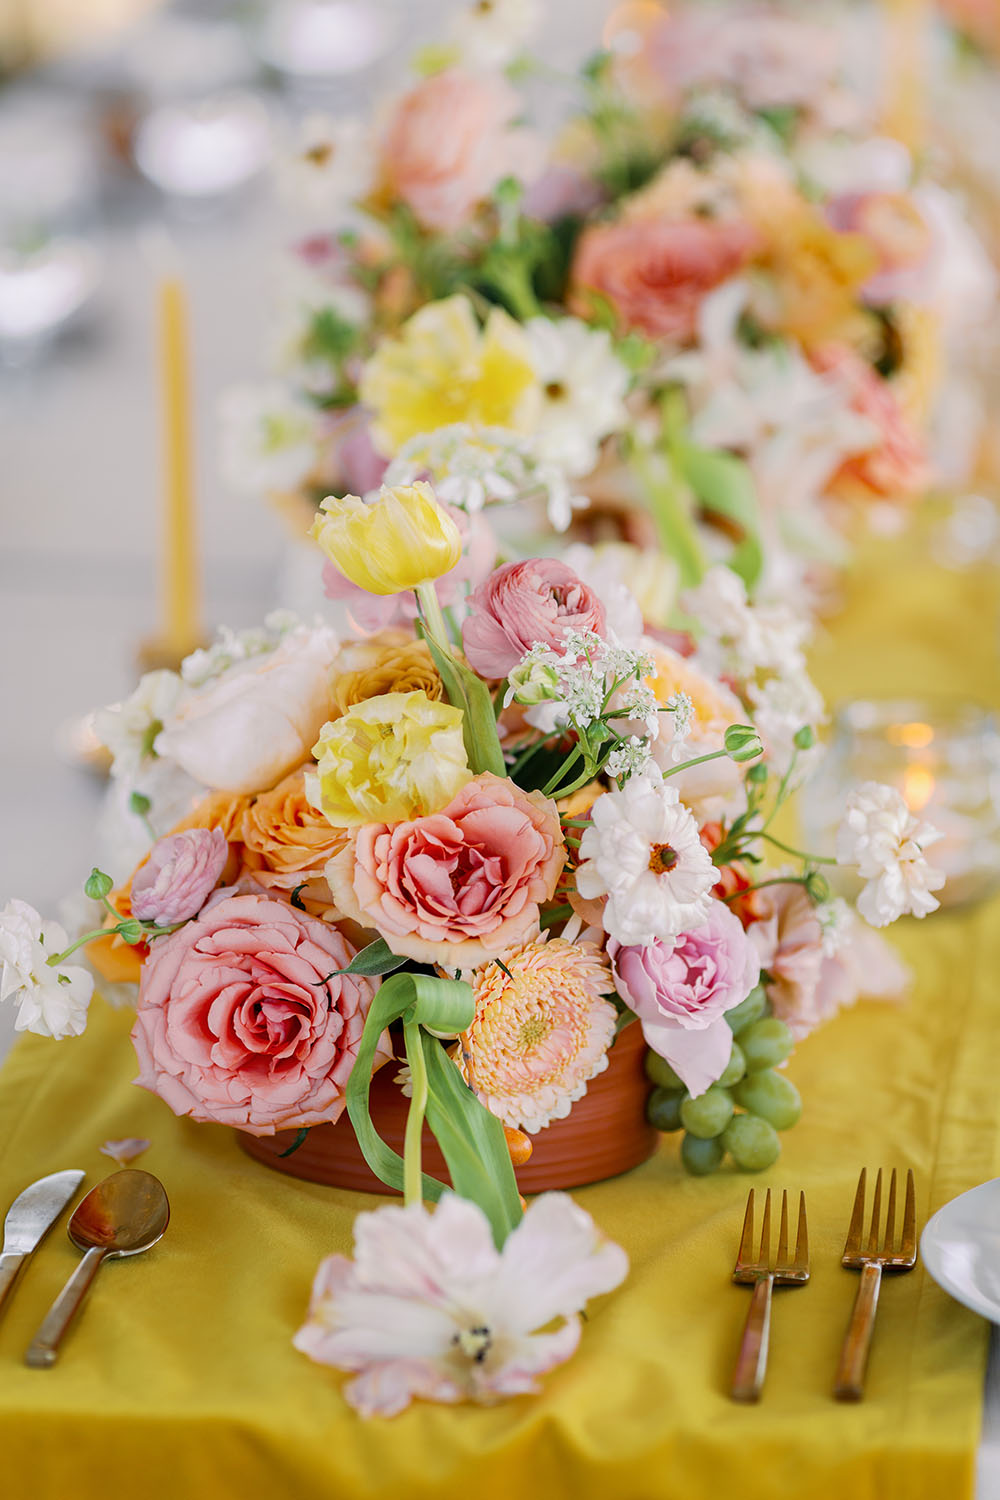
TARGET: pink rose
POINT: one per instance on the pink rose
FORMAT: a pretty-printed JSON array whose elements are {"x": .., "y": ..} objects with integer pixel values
[
  {"x": 895, "y": 466},
  {"x": 371, "y": 612},
  {"x": 458, "y": 887},
  {"x": 522, "y": 603},
  {"x": 656, "y": 274},
  {"x": 448, "y": 144},
  {"x": 179, "y": 875},
  {"x": 681, "y": 993},
  {"x": 242, "y": 1019}
]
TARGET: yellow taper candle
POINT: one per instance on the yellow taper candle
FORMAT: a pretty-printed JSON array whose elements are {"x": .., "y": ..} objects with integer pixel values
[
  {"x": 179, "y": 576},
  {"x": 907, "y": 40}
]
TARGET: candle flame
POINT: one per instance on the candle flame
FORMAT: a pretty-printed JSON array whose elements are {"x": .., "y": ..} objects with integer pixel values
[
  {"x": 918, "y": 787},
  {"x": 913, "y": 736}
]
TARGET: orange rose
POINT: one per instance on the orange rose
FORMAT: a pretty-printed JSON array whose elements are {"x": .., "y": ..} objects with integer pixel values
[
  {"x": 287, "y": 841},
  {"x": 391, "y": 662}
]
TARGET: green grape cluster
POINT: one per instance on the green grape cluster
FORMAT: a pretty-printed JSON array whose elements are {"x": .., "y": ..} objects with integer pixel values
[{"x": 743, "y": 1111}]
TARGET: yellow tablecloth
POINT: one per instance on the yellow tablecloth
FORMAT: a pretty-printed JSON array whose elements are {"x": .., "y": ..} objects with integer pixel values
[{"x": 180, "y": 1382}]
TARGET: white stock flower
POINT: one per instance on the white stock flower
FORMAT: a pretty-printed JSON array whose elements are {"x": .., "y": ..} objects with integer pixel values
[
  {"x": 52, "y": 999},
  {"x": 331, "y": 166},
  {"x": 429, "y": 1307},
  {"x": 643, "y": 852},
  {"x": 582, "y": 395},
  {"x": 490, "y": 33},
  {"x": 129, "y": 728},
  {"x": 781, "y": 706},
  {"x": 268, "y": 437},
  {"x": 606, "y": 573},
  {"x": 885, "y": 841}
]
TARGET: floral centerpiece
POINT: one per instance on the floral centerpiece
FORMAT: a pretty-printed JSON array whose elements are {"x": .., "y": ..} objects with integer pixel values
[
  {"x": 484, "y": 841},
  {"x": 717, "y": 298}
]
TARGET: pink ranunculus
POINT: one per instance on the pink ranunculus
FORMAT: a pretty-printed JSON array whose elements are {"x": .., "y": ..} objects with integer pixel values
[
  {"x": 681, "y": 993},
  {"x": 371, "y": 612},
  {"x": 243, "y": 1019},
  {"x": 460, "y": 886},
  {"x": 523, "y": 603},
  {"x": 895, "y": 467},
  {"x": 789, "y": 942},
  {"x": 449, "y": 142},
  {"x": 656, "y": 273},
  {"x": 179, "y": 875}
]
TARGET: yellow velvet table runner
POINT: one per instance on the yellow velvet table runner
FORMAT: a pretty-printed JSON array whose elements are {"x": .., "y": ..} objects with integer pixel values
[{"x": 180, "y": 1381}]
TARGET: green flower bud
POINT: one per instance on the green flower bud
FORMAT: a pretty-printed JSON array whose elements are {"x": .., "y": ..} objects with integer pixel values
[
  {"x": 805, "y": 738},
  {"x": 533, "y": 682},
  {"x": 139, "y": 803},
  {"x": 742, "y": 742},
  {"x": 97, "y": 885},
  {"x": 131, "y": 931}
]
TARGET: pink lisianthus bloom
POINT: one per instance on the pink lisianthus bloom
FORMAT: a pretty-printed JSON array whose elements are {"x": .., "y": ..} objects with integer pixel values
[
  {"x": 524, "y": 603},
  {"x": 430, "y": 1308},
  {"x": 372, "y": 612},
  {"x": 242, "y": 1018},
  {"x": 895, "y": 466},
  {"x": 460, "y": 886},
  {"x": 449, "y": 142},
  {"x": 179, "y": 876},
  {"x": 656, "y": 273},
  {"x": 681, "y": 993}
]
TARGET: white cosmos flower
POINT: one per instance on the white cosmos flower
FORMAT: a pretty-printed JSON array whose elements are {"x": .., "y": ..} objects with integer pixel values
[
  {"x": 886, "y": 841},
  {"x": 429, "y": 1307},
  {"x": 583, "y": 385},
  {"x": 490, "y": 33},
  {"x": 129, "y": 728},
  {"x": 331, "y": 166},
  {"x": 268, "y": 437},
  {"x": 643, "y": 852},
  {"x": 52, "y": 999}
]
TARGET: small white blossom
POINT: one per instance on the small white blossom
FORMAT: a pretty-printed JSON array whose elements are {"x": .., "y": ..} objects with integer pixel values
[
  {"x": 232, "y": 646},
  {"x": 331, "y": 166},
  {"x": 582, "y": 391},
  {"x": 129, "y": 728},
  {"x": 681, "y": 707},
  {"x": 642, "y": 851},
  {"x": 886, "y": 841},
  {"x": 836, "y": 920},
  {"x": 782, "y": 706},
  {"x": 490, "y": 33},
  {"x": 52, "y": 998},
  {"x": 630, "y": 758},
  {"x": 269, "y": 437}
]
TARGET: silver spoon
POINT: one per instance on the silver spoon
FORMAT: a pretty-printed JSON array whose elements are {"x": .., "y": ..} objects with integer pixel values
[{"x": 123, "y": 1215}]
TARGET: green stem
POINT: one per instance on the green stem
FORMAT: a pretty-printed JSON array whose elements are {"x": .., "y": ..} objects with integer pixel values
[
  {"x": 762, "y": 884},
  {"x": 88, "y": 937},
  {"x": 412, "y": 1168},
  {"x": 782, "y": 790},
  {"x": 525, "y": 756},
  {"x": 698, "y": 760},
  {"x": 665, "y": 496},
  {"x": 549, "y": 788},
  {"x": 812, "y": 859},
  {"x": 433, "y": 616}
]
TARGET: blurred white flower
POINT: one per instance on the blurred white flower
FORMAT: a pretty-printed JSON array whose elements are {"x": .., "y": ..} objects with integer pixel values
[
  {"x": 268, "y": 439},
  {"x": 886, "y": 841},
  {"x": 330, "y": 167},
  {"x": 490, "y": 33},
  {"x": 129, "y": 728},
  {"x": 582, "y": 391},
  {"x": 52, "y": 999}
]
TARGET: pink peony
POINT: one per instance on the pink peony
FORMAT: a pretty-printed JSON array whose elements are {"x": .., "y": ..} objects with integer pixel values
[
  {"x": 243, "y": 1020},
  {"x": 460, "y": 886},
  {"x": 895, "y": 466},
  {"x": 179, "y": 875},
  {"x": 656, "y": 274},
  {"x": 448, "y": 144},
  {"x": 371, "y": 612},
  {"x": 523, "y": 603},
  {"x": 681, "y": 993}
]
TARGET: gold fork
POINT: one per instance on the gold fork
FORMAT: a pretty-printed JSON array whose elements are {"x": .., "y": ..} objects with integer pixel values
[
  {"x": 748, "y": 1377},
  {"x": 850, "y": 1382}
]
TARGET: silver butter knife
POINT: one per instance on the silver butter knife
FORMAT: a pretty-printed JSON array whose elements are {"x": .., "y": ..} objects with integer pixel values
[{"x": 29, "y": 1219}]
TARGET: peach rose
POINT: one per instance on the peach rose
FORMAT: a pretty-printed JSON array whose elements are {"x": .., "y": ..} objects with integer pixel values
[
  {"x": 895, "y": 466},
  {"x": 287, "y": 841},
  {"x": 460, "y": 886},
  {"x": 391, "y": 662},
  {"x": 242, "y": 1021},
  {"x": 655, "y": 275},
  {"x": 449, "y": 142}
]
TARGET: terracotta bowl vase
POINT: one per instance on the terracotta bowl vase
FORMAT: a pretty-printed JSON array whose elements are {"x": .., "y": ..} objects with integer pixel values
[{"x": 605, "y": 1133}]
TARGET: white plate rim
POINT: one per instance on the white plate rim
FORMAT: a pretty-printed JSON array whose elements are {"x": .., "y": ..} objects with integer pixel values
[{"x": 930, "y": 1253}]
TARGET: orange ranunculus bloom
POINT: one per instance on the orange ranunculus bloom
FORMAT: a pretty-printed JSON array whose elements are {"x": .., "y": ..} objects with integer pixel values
[{"x": 287, "y": 841}]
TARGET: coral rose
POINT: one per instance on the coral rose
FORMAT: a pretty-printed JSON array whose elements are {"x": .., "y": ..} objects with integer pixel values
[
  {"x": 287, "y": 841},
  {"x": 242, "y": 1021},
  {"x": 449, "y": 142},
  {"x": 895, "y": 466},
  {"x": 522, "y": 604},
  {"x": 458, "y": 887},
  {"x": 655, "y": 275},
  {"x": 681, "y": 992}
]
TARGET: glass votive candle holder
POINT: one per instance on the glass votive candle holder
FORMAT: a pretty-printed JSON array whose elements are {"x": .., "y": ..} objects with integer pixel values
[{"x": 944, "y": 757}]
